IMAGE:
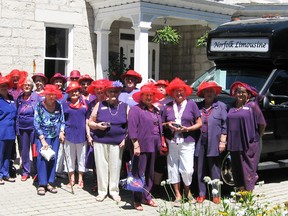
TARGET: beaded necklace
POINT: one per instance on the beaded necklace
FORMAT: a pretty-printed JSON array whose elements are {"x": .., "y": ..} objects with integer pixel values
[{"x": 113, "y": 114}]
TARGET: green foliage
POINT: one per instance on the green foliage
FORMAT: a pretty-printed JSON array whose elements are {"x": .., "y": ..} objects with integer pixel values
[
  {"x": 202, "y": 41},
  {"x": 167, "y": 35},
  {"x": 117, "y": 65}
]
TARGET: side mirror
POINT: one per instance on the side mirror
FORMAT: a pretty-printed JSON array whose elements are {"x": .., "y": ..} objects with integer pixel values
[{"x": 266, "y": 103}]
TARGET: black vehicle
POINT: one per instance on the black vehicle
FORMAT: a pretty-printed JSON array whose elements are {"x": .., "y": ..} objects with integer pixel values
[{"x": 255, "y": 52}]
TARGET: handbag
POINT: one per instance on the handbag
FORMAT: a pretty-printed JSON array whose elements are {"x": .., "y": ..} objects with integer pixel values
[
  {"x": 48, "y": 154},
  {"x": 132, "y": 182},
  {"x": 164, "y": 147}
]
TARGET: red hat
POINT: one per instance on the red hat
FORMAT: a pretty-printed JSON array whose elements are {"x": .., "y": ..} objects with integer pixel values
[
  {"x": 238, "y": 84},
  {"x": 162, "y": 82},
  {"x": 58, "y": 76},
  {"x": 4, "y": 80},
  {"x": 40, "y": 75},
  {"x": 75, "y": 74},
  {"x": 72, "y": 86},
  {"x": 133, "y": 74},
  {"x": 113, "y": 85},
  {"x": 176, "y": 84},
  {"x": 148, "y": 88},
  {"x": 100, "y": 83},
  {"x": 16, "y": 73},
  {"x": 85, "y": 77},
  {"x": 207, "y": 85},
  {"x": 52, "y": 89}
]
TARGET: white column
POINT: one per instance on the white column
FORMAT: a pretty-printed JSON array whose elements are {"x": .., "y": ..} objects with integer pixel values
[
  {"x": 102, "y": 54},
  {"x": 141, "y": 49}
]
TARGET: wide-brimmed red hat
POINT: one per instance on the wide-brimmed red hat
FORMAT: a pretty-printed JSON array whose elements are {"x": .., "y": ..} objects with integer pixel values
[
  {"x": 238, "y": 84},
  {"x": 162, "y": 82},
  {"x": 75, "y": 74},
  {"x": 207, "y": 85},
  {"x": 100, "y": 83},
  {"x": 58, "y": 76},
  {"x": 39, "y": 75},
  {"x": 148, "y": 88},
  {"x": 16, "y": 73},
  {"x": 52, "y": 89},
  {"x": 176, "y": 84},
  {"x": 113, "y": 85},
  {"x": 133, "y": 74},
  {"x": 85, "y": 77},
  {"x": 72, "y": 86}
]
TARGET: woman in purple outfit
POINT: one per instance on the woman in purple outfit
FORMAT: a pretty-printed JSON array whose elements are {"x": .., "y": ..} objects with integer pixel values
[
  {"x": 108, "y": 122},
  {"x": 75, "y": 108},
  {"x": 145, "y": 129},
  {"x": 182, "y": 118},
  {"x": 245, "y": 126},
  {"x": 213, "y": 136},
  {"x": 25, "y": 125}
]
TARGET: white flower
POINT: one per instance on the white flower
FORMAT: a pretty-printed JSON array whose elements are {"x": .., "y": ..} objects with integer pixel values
[
  {"x": 215, "y": 181},
  {"x": 214, "y": 191},
  {"x": 168, "y": 181},
  {"x": 129, "y": 180},
  {"x": 232, "y": 193},
  {"x": 227, "y": 201},
  {"x": 207, "y": 179},
  {"x": 163, "y": 183},
  {"x": 261, "y": 183}
]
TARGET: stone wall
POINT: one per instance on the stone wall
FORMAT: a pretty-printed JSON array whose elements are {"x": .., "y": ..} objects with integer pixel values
[{"x": 22, "y": 33}]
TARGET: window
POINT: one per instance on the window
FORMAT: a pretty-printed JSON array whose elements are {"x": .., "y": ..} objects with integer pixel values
[{"x": 57, "y": 50}]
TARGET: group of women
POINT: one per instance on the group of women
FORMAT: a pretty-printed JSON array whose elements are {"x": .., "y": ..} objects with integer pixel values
[{"x": 113, "y": 119}]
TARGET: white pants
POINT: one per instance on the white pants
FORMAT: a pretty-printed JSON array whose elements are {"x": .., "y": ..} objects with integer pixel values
[
  {"x": 75, "y": 151},
  {"x": 180, "y": 161},
  {"x": 108, "y": 159},
  {"x": 60, "y": 165}
]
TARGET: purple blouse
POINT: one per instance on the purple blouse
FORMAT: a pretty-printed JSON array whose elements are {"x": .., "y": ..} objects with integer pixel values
[
  {"x": 189, "y": 116},
  {"x": 242, "y": 126},
  {"x": 142, "y": 125},
  {"x": 127, "y": 97}
]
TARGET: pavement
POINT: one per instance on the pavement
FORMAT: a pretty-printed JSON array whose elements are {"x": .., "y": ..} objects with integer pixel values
[{"x": 21, "y": 199}]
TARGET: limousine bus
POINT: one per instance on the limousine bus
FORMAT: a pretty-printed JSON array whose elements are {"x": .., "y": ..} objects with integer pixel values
[{"x": 255, "y": 51}]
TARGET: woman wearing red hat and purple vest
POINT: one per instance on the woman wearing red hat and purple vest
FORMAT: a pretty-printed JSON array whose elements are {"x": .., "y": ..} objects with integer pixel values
[
  {"x": 85, "y": 81},
  {"x": 26, "y": 103},
  {"x": 7, "y": 132},
  {"x": 182, "y": 118},
  {"x": 145, "y": 130},
  {"x": 75, "y": 134},
  {"x": 108, "y": 122},
  {"x": 14, "y": 77},
  {"x": 49, "y": 127},
  {"x": 212, "y": 139},
  {"x": 245, "y": 126}
]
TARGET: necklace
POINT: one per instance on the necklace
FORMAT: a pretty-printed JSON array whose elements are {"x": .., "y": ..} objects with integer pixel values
[{"x": 113, "y": 114}]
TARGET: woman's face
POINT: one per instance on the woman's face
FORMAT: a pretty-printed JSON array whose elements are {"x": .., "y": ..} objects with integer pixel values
[
  {"x": 162, "y": 89},
  {"x": 147, "y": 98},
  {"x": 113, "y": 94},
  {"x": 209, "y": 94},
  {"x": 241, "y": 95},
  {"x": 85, "y": 84},
  {"x": 39, "y": 82},
  {"x": 99, "y": 92},
  {"x": 50, "y": 98},
  {"x": 74, "y": 94},
  {"x": 58, "y": 83},
  {"x": 179, "y": 95},
  {"x": 130, "y": 82},
  {"x": 27, "y": 87},
  {"x": 3, "y": 89}
]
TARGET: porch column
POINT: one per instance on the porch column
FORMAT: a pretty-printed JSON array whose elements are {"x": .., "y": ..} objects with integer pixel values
[
  {"x": 102, "y": 54},
  {"x": 141, "y": 49}
]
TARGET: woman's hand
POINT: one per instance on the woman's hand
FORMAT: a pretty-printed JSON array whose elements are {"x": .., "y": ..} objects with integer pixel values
[
  {"x": 174, "y": 126},
  {"x": 62, "y": 136},
  {"x": 44, "y": 143},
  {"x": 137, "y": 149},
  {"x": 122, "y": 144},
  {"x": 89, "y": 140},
  {"x": 222, "y": 146}
]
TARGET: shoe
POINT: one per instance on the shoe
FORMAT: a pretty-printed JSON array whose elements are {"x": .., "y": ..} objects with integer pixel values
[
  {"x": 2, "y": 182},
  {"x": 8, "y": 179},
  {"x": 51, "y": 189},
  {"x": 191, "y": 200},
  {"x": 138, "y": 206},
  {"x": 61, "y": 175},
  {"x": 177, "y": 202},
  {"x": 151, "y": 203},
  {"x": 216, "y": 200},
  {"x": 200, "y": 199},
  {"x": 24, "y": 177},
  {"x": 35, "y": 178},
  {"x": 70, "y": 184},
  {"x": 80, "y": 184},
  {"x": 116, "y": 198},
  {"x": 41, "y": 191},
  {"x": 100, "y": 198}
]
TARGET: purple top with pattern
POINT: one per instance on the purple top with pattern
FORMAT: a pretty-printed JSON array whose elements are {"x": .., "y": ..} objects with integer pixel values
[
  {"x": 141, "y": 126},
  {"x": 189, "y": 116},
  {"x": 242, "y": 126}
]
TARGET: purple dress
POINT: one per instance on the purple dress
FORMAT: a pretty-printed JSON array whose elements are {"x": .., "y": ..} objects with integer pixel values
[{"x": 243, "y": 143}]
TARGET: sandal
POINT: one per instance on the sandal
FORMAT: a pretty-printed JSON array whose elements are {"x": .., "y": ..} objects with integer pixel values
[
  {"x": 100, "y": 198},
  {"x": 2, "y": 182},
  {"x": 138, "y": 206},
  {"x": 41, "y": 191},
  {"x": 191, "y": 200},
  {"x": 80, "y": 184},
  {"x": 51, "y": 189},
  {"x": 70, "y": 184},
  {"x": 177, "y": 203}
]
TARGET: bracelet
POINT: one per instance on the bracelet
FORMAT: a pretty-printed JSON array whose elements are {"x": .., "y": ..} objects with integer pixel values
[
  {"x": 223, "y": 142},
  {"x": 136, "y": 147}
]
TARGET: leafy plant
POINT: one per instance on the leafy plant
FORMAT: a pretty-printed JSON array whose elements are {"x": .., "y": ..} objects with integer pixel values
[
  {"x": 202, "y": 41},
  {"x": 167, "y": 35},
  {"x": 117, "y": 65}
]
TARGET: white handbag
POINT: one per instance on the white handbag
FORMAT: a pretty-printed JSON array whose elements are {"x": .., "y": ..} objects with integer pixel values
[{"x": 48, "y": 153}]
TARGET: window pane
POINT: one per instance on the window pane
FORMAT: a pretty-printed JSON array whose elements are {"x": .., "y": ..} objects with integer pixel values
[
  {"x": 54, "y": 66},
  {"x": 56, "y": 42}
]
